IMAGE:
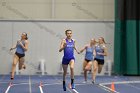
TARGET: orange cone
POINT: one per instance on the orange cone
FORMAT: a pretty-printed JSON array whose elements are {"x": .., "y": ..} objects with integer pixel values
[{"x": 113, "y": 87}]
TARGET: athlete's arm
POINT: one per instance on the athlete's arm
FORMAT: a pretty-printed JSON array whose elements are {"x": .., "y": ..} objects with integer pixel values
[
  {"x": 105, "y": 51},
  {"x": 62, "y": 45},
  {"x": 76, "y": 48},
  {"x": 83, "y": 48},
  {"x": 13, "y": 47}
]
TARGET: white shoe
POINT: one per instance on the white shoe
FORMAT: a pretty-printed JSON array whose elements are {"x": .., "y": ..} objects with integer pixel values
[{"x": 84, "y": 82}]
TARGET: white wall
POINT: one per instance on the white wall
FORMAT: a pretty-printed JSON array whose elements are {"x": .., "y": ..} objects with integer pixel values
[
  {"x": 57, "y": 9},
  {"x": 45, "y": 37}
]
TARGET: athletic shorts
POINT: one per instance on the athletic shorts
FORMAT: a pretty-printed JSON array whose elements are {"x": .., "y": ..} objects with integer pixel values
[
  {"x": 100, "y": 61},
  {"x": 88, "y": 60},
  {"x": 20, "y": 55},
  {"x": 66, "y": 61}
]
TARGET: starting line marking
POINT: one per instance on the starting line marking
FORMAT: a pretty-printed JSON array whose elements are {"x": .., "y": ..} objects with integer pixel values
[
  {"x": 52, "y": 84},
  {"x": 40, "y": 86},
  {"x": 121, "y": 82}
]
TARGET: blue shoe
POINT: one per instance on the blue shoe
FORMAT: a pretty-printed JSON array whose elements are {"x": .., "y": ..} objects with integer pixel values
[
  {"x": 73, "y": 86},
  {"x": 64, "y": 87}
]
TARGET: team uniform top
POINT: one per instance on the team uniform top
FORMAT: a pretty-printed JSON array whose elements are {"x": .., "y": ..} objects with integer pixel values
[
  {"x": 99, "y": 49},
  {"x": 19, "y": 48},
  {"x": 69, "y": 49},
  {"x": 89, "y": 53}
]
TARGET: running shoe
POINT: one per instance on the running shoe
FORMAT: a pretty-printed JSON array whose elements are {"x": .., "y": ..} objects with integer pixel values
[
  {"x": 64, "y": 87},
  {"x": 73, "y": 86}
]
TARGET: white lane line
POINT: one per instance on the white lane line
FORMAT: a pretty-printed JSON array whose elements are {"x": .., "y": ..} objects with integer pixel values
[
  {"x": 83, "y": 84},
  {"x": 20, "y": 84},
  {"x": 7, "y": 90},
  {"x": 52, "y": 84},
  {"x": 40, "y": 87},
  {"x": 75, "y": 91},
  {"x": 7, "y": 81},
  {"x": 41, "y": 90},
  {"x": 4, "y": 82},
  {"x": 30, "y": 86},
  {"x": 121, "y": 82}
]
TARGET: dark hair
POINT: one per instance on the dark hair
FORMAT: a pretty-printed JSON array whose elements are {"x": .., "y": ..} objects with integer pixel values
[
  {"x": 26, "y": 35},
  {"x": 67, "y": 31}
]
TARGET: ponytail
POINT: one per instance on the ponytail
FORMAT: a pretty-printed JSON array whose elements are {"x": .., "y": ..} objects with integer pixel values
[{"x": 103, "y": 40}]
